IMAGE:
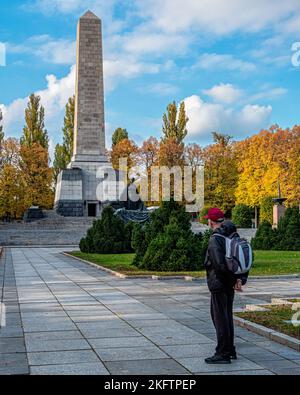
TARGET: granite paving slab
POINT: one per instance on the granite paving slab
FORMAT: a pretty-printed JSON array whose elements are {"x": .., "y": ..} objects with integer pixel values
[{"x": 65, "y": 317}]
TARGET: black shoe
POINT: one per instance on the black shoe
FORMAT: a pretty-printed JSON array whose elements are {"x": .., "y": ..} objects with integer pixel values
[
  {"x": 233, "y": 356},
  {"x": 217, "y": 359}
]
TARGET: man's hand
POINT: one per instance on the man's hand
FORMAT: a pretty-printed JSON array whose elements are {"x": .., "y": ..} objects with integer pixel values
[{"x": 238, "y": 286}]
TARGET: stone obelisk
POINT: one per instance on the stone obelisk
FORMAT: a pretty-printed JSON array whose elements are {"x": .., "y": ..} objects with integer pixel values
[
  {"x": 89, "y": 133},
  {"x": 76, "y": 191}
]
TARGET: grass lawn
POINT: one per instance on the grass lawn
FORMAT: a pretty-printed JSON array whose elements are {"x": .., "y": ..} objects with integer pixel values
[
  {"x": 276, "y": 262},
  {"x": 266, "y": 263},
  {"x": 123, "y": 264},
  {"x": 274, "y": 319}
]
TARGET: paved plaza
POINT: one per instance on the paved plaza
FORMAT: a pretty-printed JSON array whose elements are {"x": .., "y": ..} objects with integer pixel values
[{"x": 66, "y": 317}]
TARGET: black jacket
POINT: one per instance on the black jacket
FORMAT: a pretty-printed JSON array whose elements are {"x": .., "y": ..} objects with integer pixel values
[{"x": 219, "y": 278}]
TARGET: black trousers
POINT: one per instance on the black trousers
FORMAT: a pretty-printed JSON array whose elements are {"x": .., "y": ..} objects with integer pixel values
[{"x": 222, "y": 316}]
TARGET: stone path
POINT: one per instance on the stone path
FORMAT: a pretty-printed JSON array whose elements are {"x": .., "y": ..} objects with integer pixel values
[{"x": 65, "y": 317}]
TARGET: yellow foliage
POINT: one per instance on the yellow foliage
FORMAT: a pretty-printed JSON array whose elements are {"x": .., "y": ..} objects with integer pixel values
[{"x": 264, "y": 159}]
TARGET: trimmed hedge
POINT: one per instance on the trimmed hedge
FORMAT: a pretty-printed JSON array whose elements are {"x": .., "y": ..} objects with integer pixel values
[
  {"x": 168, "y": 243},
  {"x": 285, "y": 238},
  {"x": 264, "y": 238},
  {"x": 109, "y": 235}
]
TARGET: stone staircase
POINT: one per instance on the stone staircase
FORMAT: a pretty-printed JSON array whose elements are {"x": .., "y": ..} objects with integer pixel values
[{"x": 53, "y": 230}]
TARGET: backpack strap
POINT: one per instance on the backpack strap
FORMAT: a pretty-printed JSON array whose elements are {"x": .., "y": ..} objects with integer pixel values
[{"x": 227, "y": 244}]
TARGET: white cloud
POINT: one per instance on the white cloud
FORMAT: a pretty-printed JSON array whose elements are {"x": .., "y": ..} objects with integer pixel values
[
  {"x": 213, "y": 61},
  {"x": 122, "y": 68},
  {"x": 224, "y": 93},
  {"x": 72, "y": 6},
  {"x": 206, "y": 118},
  {"x": 57, "y": 93},
  {"x": 141, "y": 43},
  {"x": 54, "y": 98},
  {"x": 217, "y": 16},
  {"x": 268, "y": 94},
  {"x": 47, "y": 49}
]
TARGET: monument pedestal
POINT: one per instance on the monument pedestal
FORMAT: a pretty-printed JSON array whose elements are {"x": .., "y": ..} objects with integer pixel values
[{"x": 77, "y": 187}]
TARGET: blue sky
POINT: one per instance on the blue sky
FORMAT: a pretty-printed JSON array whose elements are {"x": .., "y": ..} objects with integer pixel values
[{"x": 229, "y": 60}]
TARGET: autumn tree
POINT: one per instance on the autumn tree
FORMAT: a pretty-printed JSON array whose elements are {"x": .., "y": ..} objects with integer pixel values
[
  {"x": 119, "y": 135},
  {"x": 291, "y": 180},
  {"x": 264, "y": 159},
  {"x": 171, "y": 153},
  {"x": 37, "y": 175},
  {"x": 175, "y": 123},
  {"x": 148, "y": 153},
  {"x": 10, "y": 153},
  {"x": 147, "y": 158},
  {"x": 34, "y": 156},
  {"x": 34, "y": 130},
  {"x": 125, "y": 149},
  {"x": 13, "y": 200},
  {"x": 193, "y": 154},
  {"x": 220, "y": 172}
]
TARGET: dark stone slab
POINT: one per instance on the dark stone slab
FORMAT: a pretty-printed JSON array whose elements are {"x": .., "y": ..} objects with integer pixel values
[
  {"x": 146, "y": 367},
  {"x": 70, "y": 208}
]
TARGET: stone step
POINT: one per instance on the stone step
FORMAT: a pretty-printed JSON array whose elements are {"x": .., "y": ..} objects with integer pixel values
[{"x": 41, "y": 237}]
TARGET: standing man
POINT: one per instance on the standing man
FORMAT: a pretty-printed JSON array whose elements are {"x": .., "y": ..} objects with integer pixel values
[{"x": 222, "y": 284}]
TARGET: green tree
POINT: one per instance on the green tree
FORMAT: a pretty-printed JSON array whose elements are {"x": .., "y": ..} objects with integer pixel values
[
  {"x": 109, "y": 235},
  {"x": 34, "y": 131},
  {"x": 175, "y": 123},
  {"x": 119, "y": 135},
  {"x": 222, "y": 139},
  {"x": 288, "y": 232},
  {"x": 221, "y": 172},
  {"x": 60, "y": 161},
  {"x": 264, "y": 238},
  {"x": 68, "y": 129},
  {"x": 242, "y": 216},
  {"x": 63, "y": 153},
  {"x": 167, "y": 243}
]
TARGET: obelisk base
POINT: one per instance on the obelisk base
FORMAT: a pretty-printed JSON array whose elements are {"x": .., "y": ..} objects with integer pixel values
[{"x": 77, "y": 192}]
